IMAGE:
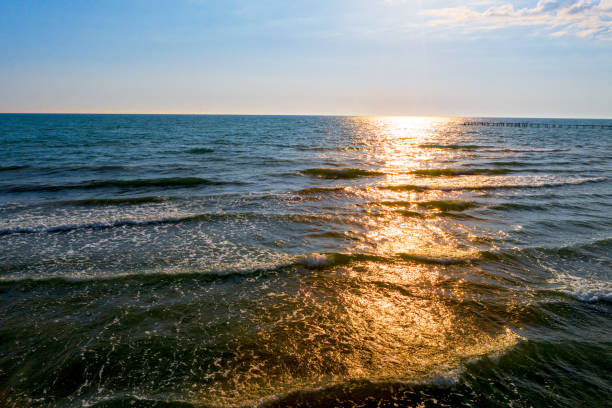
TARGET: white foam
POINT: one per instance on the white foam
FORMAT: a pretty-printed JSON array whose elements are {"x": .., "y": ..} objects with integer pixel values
[
  {"x": 315, "y": 260},
  {"x": 585, "y": 289},
  {"x": 468, "y": 182},
  {"x": 447, "y": 378}
]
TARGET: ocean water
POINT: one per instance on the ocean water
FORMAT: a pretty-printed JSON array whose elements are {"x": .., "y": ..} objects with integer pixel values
[{"x": 196, "y": 261}]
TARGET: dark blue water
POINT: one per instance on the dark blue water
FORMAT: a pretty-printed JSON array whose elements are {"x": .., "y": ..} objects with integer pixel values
[{"x": 161, "y": 260}]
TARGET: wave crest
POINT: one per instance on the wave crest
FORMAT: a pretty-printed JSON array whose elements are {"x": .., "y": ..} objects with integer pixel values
[
  {"x": 320, "y": 190},
  {"x": 159, "y": 221},
  {"x": 584, "y": 289},
  {"x": 450, "y": 146},
  {"x": 342, "y": 173},
  {"x": 442, "y": 205},
  {"x": 117, "y": 201},
  {"x": 12, "y": 168},
  {"x": 200, "y": 150},
  {"x": 403, "y": 187},
  {"x": 458, "y": 172},
  {"x": 157, "y": 182}
]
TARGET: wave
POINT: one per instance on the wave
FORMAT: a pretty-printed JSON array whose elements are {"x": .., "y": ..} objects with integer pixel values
[
  {"x": 448, "y": 205},
  {"x": 309, "y": 261},
  {"x": 598, "y": 244},
  {"x": 536, "y": 207},
  {"x": 13, "y": 168},
  {"x": 322, "y": 261},
  {"x": 329, "y": 234},
  {"x": 407, "y": 213},
  {"x": 318, "y": 260},
  {"x": 342, "y": 173},
  {"x": 493, "y": 377},
  {"x": 157, "y": 182},
  {"x": 403, "y": 187},
  {"x": 437, "y": 214},
  {"x": 601, "y": 290},
  {"x": 76, "y": 168},
  {"x": 570, "y": 182},
  {"x": 335, "y": 189},
  {"x": 592, "y": 294},
  {"x": 117, "y": 201},
  {"x": 450, "y": 146},
  {"x": 584, "y": 289},
  {"x": 313, "y": 261},
  {"x": 325, "y": 260},
  {"x": 438, "y": 255},
  {"x": 92, "y": 168},
  {"x": 496, "y": 378},
  {"x": 368, "y": 394},
  {"x": 442, "y": 205},
  {"x": 458, "y": 172},
  {"x": 200, "y": 150},
  {"x": 151, "y": 276},
  {"x": 516, "y": 206},
  {"x": 514, "y": 163},
  {"x": 441, "y": 388},
  {"x": 517, "y": 163},
  {"x": 160, "y": 221},
  {"x": 433, "y": 260},
  {"x": 264, "y": 161},
  {"x": 527, "y": 150},
  {"x": 320, "y": 190},
  {"x": 139, "y": 402},
  {"x": 410, "y": 187},
  {"x": 324, "y": 148},
  {"x": 580, "y": 250}
]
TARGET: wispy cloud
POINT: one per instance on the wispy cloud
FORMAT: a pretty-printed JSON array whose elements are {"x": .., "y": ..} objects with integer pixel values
[{"x": 582, "y": 18}]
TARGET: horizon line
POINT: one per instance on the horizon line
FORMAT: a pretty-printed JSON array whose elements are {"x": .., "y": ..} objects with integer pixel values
[{"x": 309, "y": 114}]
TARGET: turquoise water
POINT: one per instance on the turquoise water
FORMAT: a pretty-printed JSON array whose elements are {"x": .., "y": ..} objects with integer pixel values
[{"x": 303, "y": 261}]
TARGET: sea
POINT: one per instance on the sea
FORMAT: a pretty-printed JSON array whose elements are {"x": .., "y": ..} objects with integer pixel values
[{"x": 304, "y": 261}]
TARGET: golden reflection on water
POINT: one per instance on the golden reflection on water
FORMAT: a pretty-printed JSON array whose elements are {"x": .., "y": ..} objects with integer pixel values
[
  {"x": 398, "y": 142},
  {"x": 404, "y": 316},
  {"x": 399, "y": 139}
]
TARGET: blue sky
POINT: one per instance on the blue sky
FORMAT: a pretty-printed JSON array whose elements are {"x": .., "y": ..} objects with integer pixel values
[{"x": 547, "y": 58}]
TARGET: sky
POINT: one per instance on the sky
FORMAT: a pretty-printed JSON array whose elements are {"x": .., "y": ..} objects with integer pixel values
[{"x": 546, "y": 58}]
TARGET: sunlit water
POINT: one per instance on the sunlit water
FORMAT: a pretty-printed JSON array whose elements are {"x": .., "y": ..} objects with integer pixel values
[{"x": 303, "y": 261}]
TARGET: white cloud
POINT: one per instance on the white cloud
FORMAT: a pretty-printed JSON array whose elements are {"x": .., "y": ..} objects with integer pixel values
[{"x": 582, "y": 18}]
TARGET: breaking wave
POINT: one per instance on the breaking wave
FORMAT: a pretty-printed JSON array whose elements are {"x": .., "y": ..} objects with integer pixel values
[{"x": 203, "y": 217}]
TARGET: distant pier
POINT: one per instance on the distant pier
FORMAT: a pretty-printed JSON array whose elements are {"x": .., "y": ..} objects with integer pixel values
[{"x": 537, "y": 125}]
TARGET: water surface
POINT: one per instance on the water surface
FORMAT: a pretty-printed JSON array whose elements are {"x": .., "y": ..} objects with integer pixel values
[{"x": 303, "y": 261}]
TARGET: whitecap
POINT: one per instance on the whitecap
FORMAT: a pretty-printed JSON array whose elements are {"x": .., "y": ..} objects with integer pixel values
[
  {"x": 585, "y": 289},
  {"x": 315, "y": 260}
]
